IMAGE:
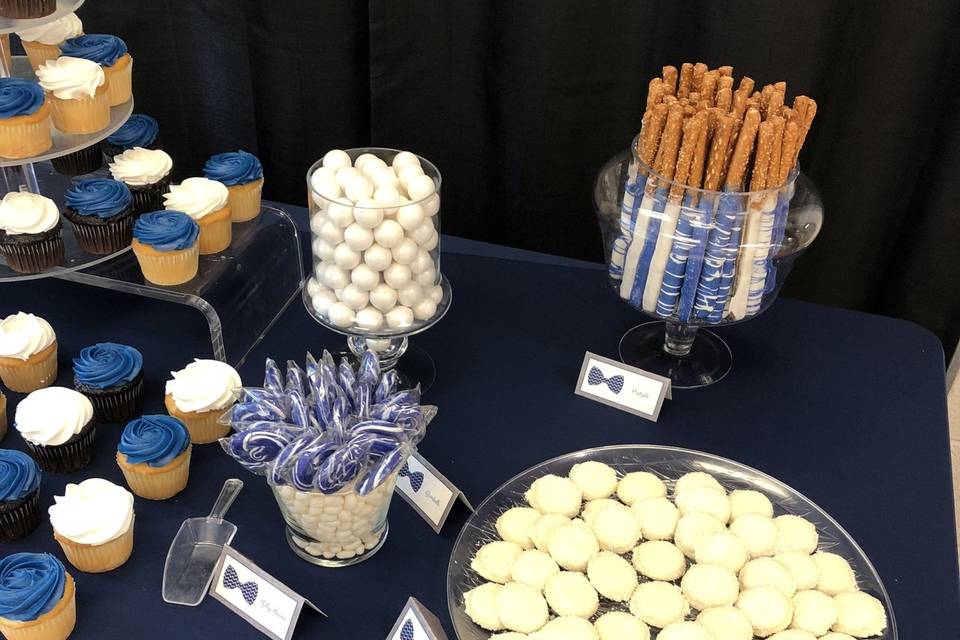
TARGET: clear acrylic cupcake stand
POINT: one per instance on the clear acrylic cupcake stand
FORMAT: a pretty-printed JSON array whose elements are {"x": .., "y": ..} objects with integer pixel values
[{"x": 240, "y": 292}]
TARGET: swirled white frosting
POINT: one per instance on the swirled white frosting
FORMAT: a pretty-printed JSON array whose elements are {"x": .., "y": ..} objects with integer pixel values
[
  {"x": 23, "y": 335},
  {"x": 93, "y": 512},
  {"x": 69, "y": 26},
  {"x": 53, "y": 415},
  {"x": 139, "y": 167},
  {"x": 22, "y": 212},
  {"x": 197, "y": 197},
  {"x": 204, "y": 385},
  {"x": 71, "y": 78}
]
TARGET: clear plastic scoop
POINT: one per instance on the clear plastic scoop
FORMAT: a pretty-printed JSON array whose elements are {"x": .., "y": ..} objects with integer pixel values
[{"x": 196, "y": 549}]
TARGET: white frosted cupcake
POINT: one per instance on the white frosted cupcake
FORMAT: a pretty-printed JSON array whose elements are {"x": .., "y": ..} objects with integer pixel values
[
  {"x": 30, "y": 239},
  {"x": 200, "y": 394},
  {"x": 42, "y": 43},
  {"x": 147, "y": 173},
  {"x": 78, "y": 94},
  {"x": 93, "y": 522},
  {"x": 28, "y": 352},
  {"x": 208, "y": 202},
  {"x": 58, "y": 428}
]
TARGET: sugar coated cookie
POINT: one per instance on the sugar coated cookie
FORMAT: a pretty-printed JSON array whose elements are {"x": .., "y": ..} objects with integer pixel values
[
  {"x": 521, "y": 608},
  {"x": 836, "y": 576},
  {"x": 758, "y": 532},
  {"x": 640, "y": 485},
  {"x": 572, "y": 546},
  {"x": 570, "y": 594},
  {"x": 767, "y": 572},
  {"x": 534, "y": 568},
  {"x": 659, "y": 560},
  {"x": 620, "y": 625},
  {"x": 859, "y": 614},
  {"x": 494, "y": 560},
  {"x": 708, "y": 585},
  {"x": 795, "y": 534},
  {"x": 659, "y": 603},
  {"x": 612, "y": 576},
  {"x": 480, "y": 604},
  {"x": 744, "y": 501},
  {"x": 658, "y": 518},
  {"x": 813, "y": 611},
  {"x": 769, "y": 610},
  {"x": 721, "y": 548},
  {"x": 726, "y": 623},
  {"x": 693, "y": 527},
  {"x": 595, "y": 479},
  {"x": 516, "y": 525}
]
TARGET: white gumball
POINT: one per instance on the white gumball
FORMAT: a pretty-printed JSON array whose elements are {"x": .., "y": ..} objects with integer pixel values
[
  {"x": 345, "y": 257},
  {"x": 385, "y": 178},
  {"x": 331, "y": 233},
  {"x": 335, "y": 277},
  {"x": 432, "y": 242},
  {"x": 358, "y": 188},
  {"x": 405, "y": 173},
  {"x": 367, "y": 213},
  {"x": 314, "y": 287},
  {"x": 323, "y": 174},
  {"x": 354, "y": 297},
  {"x": 427, "y": 278},
  {"x": 322, "y": 300},
  {"x": 362, "y": 159},
  {"x": 369, "y": 318},
  {"x": 432, "y": 206},
  {"x": 425, "y": 309},
  {"x": 317, "y": 221},
  {"x": 328, "y": 189},
  {"x": 405, "y": 158},
  {"x": 419, "y": 187},
  {"x": 410, "y": 216},
  {"x": 405, "y": 252},
  {"x": 340, "y": 213},
  {"x": 365, "y": 277},
  {"x": 341, "y": 315},
  {"x": 397, "y": 275},
  {"x": 388, "y": 233},
  {"x": 377, "y": 258},
  {"x": 400, "y": 317},
  {"x": 344, "y": 175},
  {"x": 410, "y": 294},
  {"x": 323, "y": 250},
  {"x": 336, "y": 158},
  {"x": 436, "y": 293},
  {"x": 422, "y": 262},
  {"x": 387, "y": 197},
  {"x": 383, "y": 297},
  {"x": 372, "y": 167},
  {"x": 358, "y": 238},
  {"x": 422, "y": 233}
]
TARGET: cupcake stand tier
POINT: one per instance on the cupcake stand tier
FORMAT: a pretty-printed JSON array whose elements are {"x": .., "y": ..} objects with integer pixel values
[{"x": 9, "y": 25}]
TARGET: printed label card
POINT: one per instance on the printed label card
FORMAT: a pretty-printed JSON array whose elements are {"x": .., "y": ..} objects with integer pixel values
[
  {"x": 621, "y": 386},
  {"x": 428, "y": 491}
]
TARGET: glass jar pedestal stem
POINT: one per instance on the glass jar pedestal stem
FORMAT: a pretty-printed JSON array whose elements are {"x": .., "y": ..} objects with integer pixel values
[
  {"x": 389, "y": 350},
  {"x": 690, "y": 356}
]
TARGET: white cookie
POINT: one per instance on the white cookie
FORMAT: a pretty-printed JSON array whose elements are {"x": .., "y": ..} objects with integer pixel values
[
  {"x": 859, "y": 614},
  {"x": 836, "y": 636},
  {"x": 793, "y": 634},
  {"x": 705, "y": 499},
  {"x": 544, "y": 528},
  {"x": 685, "y": 631},
  {"x": 617, "y": 528},
  {"x": 802, "y": 567},
  {"x": 570, "y": 594},
  {"x": 708, "y": 585},
  {"x": 813, "y": 611},
  {"x": 509, "y": 635},
  {"x": 836, "y": 576},
  {"x": 592, "y": 508},
  {"x": 659, "y": 603},
  {"x": 769, "y": 610},
  {"x": 572, "y": 546},
  {"x": 692, "y": 528},
  {"x": 534, "y": 568},
  {"x": 640, "y": 485},
  {"x": 658, "y": 518},
  {"x": 567, "y": 628},
  {"x": 521, "y": 608},
  {"x": 694, "y": 480},
  {"x": 795, "y": 534},
  {"x": 516, "y": 524},
  {"x": 553, "y": 494},
  {"x": 494, "y": 559},
  {"x": 595, "y": 479},
  {"x": 612, "y": 576},
  {"x": 480, "y": 604},
  {"x": 659, "y": 560},
  {"x": 767, "y": 572},
  {"x": 721, "y": 548},
  {"x": 758, "y": 532},
  {"x": 726, "y": 623},
  {"x": 619, "y": 625},
  {"x": 744, "y": 501}
]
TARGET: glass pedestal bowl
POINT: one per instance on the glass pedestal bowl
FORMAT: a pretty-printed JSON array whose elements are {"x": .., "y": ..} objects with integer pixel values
[{"x": 692, "y": 258}]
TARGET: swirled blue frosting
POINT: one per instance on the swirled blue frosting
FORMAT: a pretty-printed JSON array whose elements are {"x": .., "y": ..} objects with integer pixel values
[
  {"x": 233, "y": 167},
  {"x": 101, "y": 197},
  {"x": 31, "y": 584},
  {"x": 155, "y": 440},
  {"x": 140, "y": 130},
  {"x": 19, "y": 97},
  {"x": 167, "y": 230},
  {"x": 19, "y": 475},
  {"x": 106, "y": 365},
  {"x": 99, "y": 48}
]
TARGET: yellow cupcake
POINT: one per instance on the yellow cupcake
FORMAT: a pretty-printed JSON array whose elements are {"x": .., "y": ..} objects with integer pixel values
[
  {"x": 207, "y": 202},
  {"x": 28, "y": 353},
  {"x": 55, "y": 624},
  {"x": 200, "y": 394},
  {"x": 78, "y": 92},
  {"x": 154, "y": 455},
  {"x": 93, "y": 522}
]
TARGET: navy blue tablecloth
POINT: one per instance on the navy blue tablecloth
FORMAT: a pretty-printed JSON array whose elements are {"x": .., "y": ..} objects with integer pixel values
[{"x": 847, "y": 408}]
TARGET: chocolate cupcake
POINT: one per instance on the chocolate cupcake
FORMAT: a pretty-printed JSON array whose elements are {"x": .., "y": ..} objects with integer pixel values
[
  {"x": 58, "y": 428},
  {"x": 140, "y": 130},
  {"x": 102, "y": 214},
  {"x": 111, "y": 376},
  {"x": 147, "y": 173},
  {"x": 79, "y": 163},
  {"x": 19, "y": 495},
  {"x": 24, "y": 9},
  {"x": 30, "y": 239}
]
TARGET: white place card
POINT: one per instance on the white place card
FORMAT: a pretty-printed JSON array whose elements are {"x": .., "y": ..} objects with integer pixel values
[
  {"x": 416, "y": 622},
  {"x": 256, "y": 596},
  {"x": 621, "y": 386},
  {"x": 428, "y": 491}
]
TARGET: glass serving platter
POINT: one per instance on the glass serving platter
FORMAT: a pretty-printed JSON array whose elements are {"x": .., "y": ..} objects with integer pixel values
[{"x": 669, "y": 463}]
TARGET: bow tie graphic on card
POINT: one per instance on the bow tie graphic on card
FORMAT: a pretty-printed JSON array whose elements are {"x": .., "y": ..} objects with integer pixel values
[
  {"x": 595, "y": 377},
  {"x": 406, "y": 632},
  {"x": 415, "y": 477},
  {"x": 247, "y": 589}
]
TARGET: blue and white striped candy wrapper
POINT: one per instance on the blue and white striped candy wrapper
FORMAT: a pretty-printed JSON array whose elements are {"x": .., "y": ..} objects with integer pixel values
[
  {"x": 663, "y": 246},
  {"x": 642, "y": 246},
  {"x": 701, "y": 222},
  {"x": 729, "y": 270},
  {"x": 718, "y": 246},
  {"x": 685, "y": 241}
]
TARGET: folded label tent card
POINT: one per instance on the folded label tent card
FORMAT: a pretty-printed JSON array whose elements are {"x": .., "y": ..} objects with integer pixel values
[
  {"x": 428, "y": 491},
  {"x": 621, "y": 386},
  {"x": 256, "y": 596},
  {"x": 416, "y": 622}
]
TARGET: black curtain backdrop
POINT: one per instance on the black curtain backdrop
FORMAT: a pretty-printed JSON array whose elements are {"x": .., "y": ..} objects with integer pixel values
[{"x": 519, "y": 102}]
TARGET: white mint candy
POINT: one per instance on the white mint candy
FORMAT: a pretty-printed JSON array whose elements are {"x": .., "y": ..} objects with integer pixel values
[
  {"x": 340, "y": 213},
  {"x": 316, "y": 222},
  {"x": 358, "y": 188},
  {"x": 371, "y": 320},
  {"x": 372, "y": 166},
  {"x": 400, "y": 317},
  {"x": 407, "y": 172},
  {"x": 321, "y": 301},
  {"x": 362, "y": 159},
  {"x": 344, "y": 175},
  {"x": 388, "y": 197},
  {"x": 397, "y": 275},
  {"x": 345, "y": 257},
  {"x": 422, "y": 262},
  {"x": 405, "y": 158},
  {"x": 388, "y": 233},
  {"x": 340, "y": 315},
  {"x": 410, "y": 217},
  {"x": 432, "y": 206},
  {"x": 335, "y": 277},
  {"x": 377, "y": 258},
  {"x": 405, "y": 252},
  {"x": 329, "y": 189},
  {"x": 358, "y": 238},
  {"x": 367, "y": 213},
  {"x": 410, "y": 294},
  {"x": 365, "y": 277},
  {"x": 425, "y": 309},
  {"x": 427, "y": 278},
  {"x": 436, "y": 294},
  {"x": 385, "y": 178},
  {"x": 433, "y": 242},
  {"x": 336, "y": 158},
  {"x": 354, "y": 297},
  {"x": 383, "y": 297},
  {"x": 419, "y": 187},
  {"x": 422, "y": 233}
]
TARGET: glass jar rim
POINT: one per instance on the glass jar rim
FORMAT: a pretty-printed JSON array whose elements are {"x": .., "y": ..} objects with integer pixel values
[
  {"x": 386, "y": 150},
  {"x": 662, "y": 180}
]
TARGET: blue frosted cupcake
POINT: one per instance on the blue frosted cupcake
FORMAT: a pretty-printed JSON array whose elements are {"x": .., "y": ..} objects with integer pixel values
[
  {"x": 167, "y": 247},
  {"x": 154, "y": 455},
  {"x": 102, "y": 214},
  {"x": 19, "y": 495},
  {"x": 110, "y": 52},
  {"x": 140, "y": 130},
  {"x": 111, "y": 376},
  {"x": 24, "y": 119},
  {"x": 242, "y": 174},
  {"x": 37, "y": 598}
]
